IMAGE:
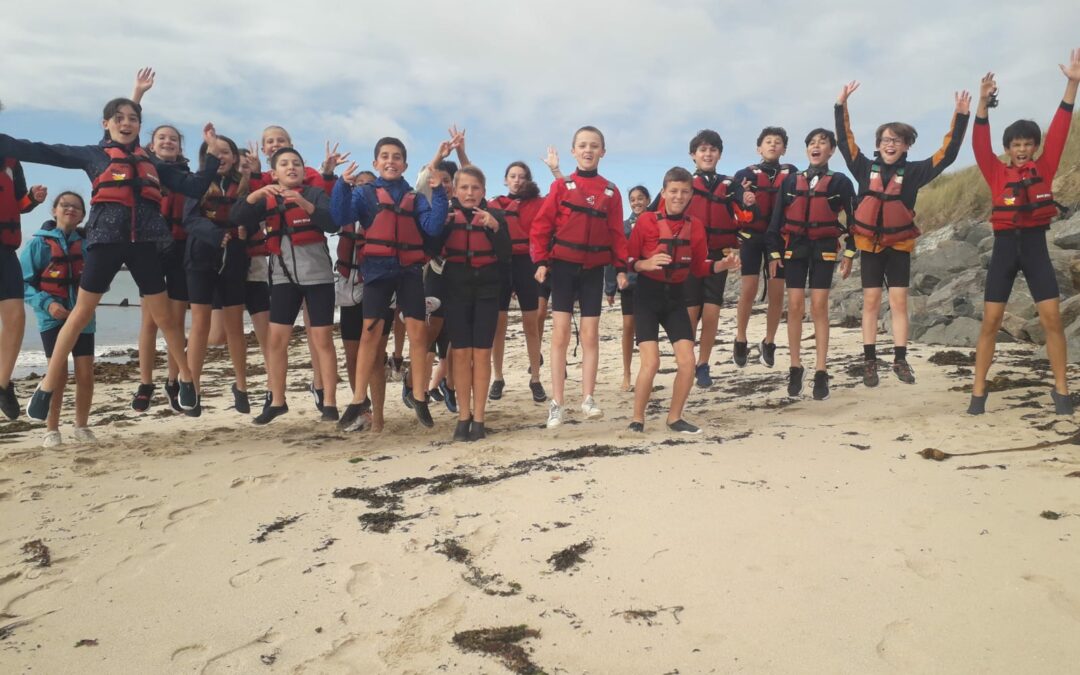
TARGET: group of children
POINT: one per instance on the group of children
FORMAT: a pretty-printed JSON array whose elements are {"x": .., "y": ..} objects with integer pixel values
[{"x": 437, "y": 265}]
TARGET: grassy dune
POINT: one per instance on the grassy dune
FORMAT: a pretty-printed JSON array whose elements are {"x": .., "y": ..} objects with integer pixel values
[{"x": 963, "y": 195}]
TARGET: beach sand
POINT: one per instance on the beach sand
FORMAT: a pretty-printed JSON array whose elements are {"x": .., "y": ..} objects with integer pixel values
[{"x": 792, "y": 536}]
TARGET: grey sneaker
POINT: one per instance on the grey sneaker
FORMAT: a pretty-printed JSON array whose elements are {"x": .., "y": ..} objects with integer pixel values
[
  {"x": 821, "y": 385},
  {"x": 795, "y": 381},
  {"x": 555, "y": 415}
]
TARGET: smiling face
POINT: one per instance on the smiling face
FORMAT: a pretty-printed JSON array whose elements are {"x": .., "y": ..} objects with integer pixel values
[
  {"x": 588, "y": 148},
  {"x": 1021, "y": 150},
  {"x": 516, "y": 179},
  {"x": 289, "y": 170},
  {"x": 639, "y": 201},
  {"x": 468, "y": 190},
  {"x": 389, "y": 162},
  {"x": 892, "y": 147},
  {"x": 225, "y": 153},
  {"x": 166, "y": 143},
  {"x": 705, "y": 157},
  {"x": 273, "y": 139},
  {"x": 676, "y": 196},
  {"x": 771, "y": 148},
  {"x": 124, "y": 125},
  {"x": 819, "y": 150}
]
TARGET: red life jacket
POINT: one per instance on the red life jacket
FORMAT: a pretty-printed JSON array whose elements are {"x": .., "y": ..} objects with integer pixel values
[
  {"x": 880, "y": 215},
  {"x": 809, "y": 214},
  {"x": 172, "y": 209},
  {"x": 64, "y": 269},
  {"x": 511, "y": 210},
  {"x": 10, "y": 220},
  {"x": 287, "y": 219},
  {"x": 676, "y": 245},
  {"x": 350, "y": 251},
  {"x": 765, "y": 190},
  {"x": 583, "y": 237},
  {"x": 395, "y": 232},
  {"x": 216, "y": 206},
  {"x": 716, "y": 212},
  {"x": 126, "y": 174},
  {"x": 1027, "y": 200},
  {"x": 468, "y": 242},
  {"x": 256, "y": 244}
]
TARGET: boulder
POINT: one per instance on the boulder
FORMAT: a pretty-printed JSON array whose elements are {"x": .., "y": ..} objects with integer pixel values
[
  {"x": 1020, "y": 302},
  {"x": 1035, "y": 331},
  {"x": 1066, "y": 234},
  {"x": 960, "y": 332},
  {"x": 1014, "y": 325},
  {"x": 946, "y": 259},
  {"x": 1074, "y": 273},
  {"x": 1072, "y": 341}
]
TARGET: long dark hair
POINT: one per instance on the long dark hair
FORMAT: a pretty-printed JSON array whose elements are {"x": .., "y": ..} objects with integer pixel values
[{"x": 530, "y": 190}]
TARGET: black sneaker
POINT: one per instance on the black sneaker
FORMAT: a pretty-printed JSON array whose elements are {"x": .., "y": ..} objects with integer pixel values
[
  {"x": 353, "y": 417},
  {"x": 977, "y": 405},
  {"x": 449, "y": 396},
  {"x": 188, "y": 397},
  {"x": 684, "y": 427},
  {"x": 435, "y": 394},
  {"x": 9, "y": 404},
  {"x": 172, "y": 390},
  {"x": 795, "y": 381},
  {"x": 329, "y": 414},
  {"x": 196, "y": 411},
  {"x": 406, "y": 392},
  {"x": 530, "y": 372},
  {"x": 538, "y": 393},
  {"x": 821, "y": 385},
  {"x": 267, "y": 400},
  {"x": 869, "y": 373},
  {"x": 141, "y": 402},
  {"x": 1062, "y": 403},
  {"x": 461, "y": 431},
  {"x": 904, "y": 372},
  {"x": 477, "y": 432},
  {"x": 270, "y": 412},
  {"x": 638, "y": 427},
  {"x": 767, "y": 352},
  {"x": 739, "y": 353},
  {"x": 422, "y": 412},
  {"x": 495, "y": 392},
  {"x": 240, "y": 401},
  {"x": 317, "y": 394},
  {"x": 37, "y": 408}
]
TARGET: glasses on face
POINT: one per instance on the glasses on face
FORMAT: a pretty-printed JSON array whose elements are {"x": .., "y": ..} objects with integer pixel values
[
  {"x": 886, "y": 140},
  {"x": 69, "y": 207}
]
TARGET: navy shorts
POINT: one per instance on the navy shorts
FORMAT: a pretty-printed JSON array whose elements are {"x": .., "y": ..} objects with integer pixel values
[
  {"x": 103, "y": 261},
  {"x": 409, "y": 286},
  {"x": 1021, "y": 251},
  {"x": 286, "y": 300},
  {"x": 818, "y": 272},
  {"x": 572, "y": 283},
  {"x": 172, "y": 265},
  {"x": 352, "y": 322},
  {"x": 11, "y": 281},
  {"x": 84, "y": 346},
  {"x": 626, "y": 301},
  {"x": 470, "y": 322},
  {"x": 225, "y": 287},
  {"x": 519, "y": 278}
]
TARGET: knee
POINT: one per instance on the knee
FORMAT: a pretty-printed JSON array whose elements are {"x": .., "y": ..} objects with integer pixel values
[
  {"x": 685, "y": 362},
  {"x": 1051, "y": 321}
]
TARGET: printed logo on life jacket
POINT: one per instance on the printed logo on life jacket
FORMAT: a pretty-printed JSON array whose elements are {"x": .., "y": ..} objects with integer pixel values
[
  {"x": 590, "y": 200},
  {"x": 1045, "y": 195},
  {"x": 211, "y": 214},
  {"x": 119, "y": 176},
  {"x": 1009, "y": 201},
  {"x": 54, "y": 273}
]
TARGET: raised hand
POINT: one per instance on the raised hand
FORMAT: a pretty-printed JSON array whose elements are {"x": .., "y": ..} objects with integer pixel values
[
  {"x": 334, "y": 159},
  {"x": 253, "y": 153},
  {"x": 457, "y": 137},
  {"x": 352, "y": 174},
  {"x": 1072, "y": 70},
  {"x": 847, "y": 91},
  {"x": 209, "y": 134},
  {"x": 38, "y": 193},
  {"x": 987, "y": 87},
  {"x": 144, "y": 82},
  {"x": 552, "y": 158},
  {"x": 963, "y": 102}
]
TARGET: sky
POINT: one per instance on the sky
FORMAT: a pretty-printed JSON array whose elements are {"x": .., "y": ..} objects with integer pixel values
[{"x": 520, "y": 76}]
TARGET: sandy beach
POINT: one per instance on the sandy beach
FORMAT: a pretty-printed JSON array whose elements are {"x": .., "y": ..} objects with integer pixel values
[{"x": 792, "y": 536}]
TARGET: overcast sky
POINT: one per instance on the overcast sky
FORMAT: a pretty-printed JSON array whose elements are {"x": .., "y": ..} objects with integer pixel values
[{"x": 521, "y": 75}]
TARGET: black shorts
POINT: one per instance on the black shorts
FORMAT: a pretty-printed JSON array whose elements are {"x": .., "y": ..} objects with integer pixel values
[
  {"x": 103, "y": 261},
  {"x": 888, "y": 266},
  {"x": 753, "y": 253},
  {"x": 441, "y": 344},
  {"x": 225, "y": 287},
  {"x": 699, "y": 291},
  {"x": 84, "y": 345},
  {"x": 1021, "y": 251},
  {"x": 572, "y": 283},
  {"x": 519, "y": 277},
  {"x": 435, "y": 287},
  {"x": 658, "y": 304},
  {"x": 256, "y": 297},
  {"x": 818, "y": 272},
  {"x": 544, "y": 290},
  {"x": 626, "y": 301},
  {"x": 470, "y": 322},
  {"x": 409, "y": 286},
  {"x": 172, "y": 265},
  {"x": 352, "y": 322},
  {"x": 286, "y": 300},
  {"x": 11, "y": 281}
]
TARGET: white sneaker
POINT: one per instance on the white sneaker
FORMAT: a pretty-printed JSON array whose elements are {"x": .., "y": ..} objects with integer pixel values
[
  {"x": 52, "y": 439},
  {"x": 591, "y": 410},
  {"x": 555, "y": 414},
  {"x": 84, "y": 435}
]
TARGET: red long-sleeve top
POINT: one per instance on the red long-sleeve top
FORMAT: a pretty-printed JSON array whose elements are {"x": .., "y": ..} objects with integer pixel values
[
  {"x": 645, "y": 240},
  {"x": 312, "y": 178},
  {"x": 552, "y": 214}
]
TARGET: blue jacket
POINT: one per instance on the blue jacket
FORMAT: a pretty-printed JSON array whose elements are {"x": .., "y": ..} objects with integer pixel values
[
  {"x": 35, "y": 257},
  {"x": 359, "y": 205}
]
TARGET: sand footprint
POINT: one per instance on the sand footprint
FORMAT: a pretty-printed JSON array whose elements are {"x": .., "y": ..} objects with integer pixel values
[
  {"x": 140, "y": 511},
  {"x": 898, "y": 639},
  {"x": 20, "y": 599},
  {"x": 189, "y": 512},
  {"x": 242, "y": 659},
  {"x": 1057, "y": 594},
  {"x": 365, "y": 577},
  {"x": 255, "y": 574},
  {"x": 188, "y": 653},
  {"x": 254, "y": 481},
  {"x": 354, "y": 654},
  {"x": 424, "y": 631},
  {"x": 142, "y": 560},
  {"x": 98, "y": 508}
]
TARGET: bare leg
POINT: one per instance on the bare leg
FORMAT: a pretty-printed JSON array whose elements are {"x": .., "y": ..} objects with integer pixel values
[
  {"x": 260, "y": 323},
  {"x": 52, "y": 422},
  {"x": 748, "y": 287},
  {"x": 499, "y": 346},
  {"x": 481, "y": 380},
  {"x": 416, "y": 331},
  {"x": 695, "y": 314},
  {"x": 993, "y": 313},
  {"x": 351, "y": 349},
  {"x": 370, "y": 339},
  {"x": 378, "y": 385},
  {"x": 795, "y": 308},
  {"x": 710, "y": 320},
  {"x": 233, "y": 320},
  {"x": 898, "y": 310},
  {"x": 200, "y": 331},
  {"x": 174, "y": 331},
  {"x": 84, "y": 389},
  {"x": 56, "y": 375},
  {"x": 590, "y": 353},
  {"x": 648, "y": 364},
  {"x": 177, "y": 314},
  {"x": 775, "y": 309},
  {"x": 627, "y": 349},
  {"x": 217, "y": 336},
  {"x": 560, "y": 342},
  {"x": 1056, "y": 347},
  {"x": 322, "y": 344},
  {"x": 12, "y": 325},
  {"x": 463, "y": 377},
  {"x": 399, "y": 337},
  {"x": 871, "y": 307},
  {"x": 819, "y": 313},
  {"x": 684, "y": 378},
  {"x": 147, "y": 347},
  {"x": 278, "y": 364},
  {"x": 532, "y": 343},
  {"x": 316, "y": 367}
]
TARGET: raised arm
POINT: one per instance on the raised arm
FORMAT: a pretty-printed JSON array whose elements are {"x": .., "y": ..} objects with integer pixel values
[
  {"x": 857, "y": 162},
  {"x": 1058, "y": 131},
  {"x": 989, "y": 164},
  {"x": 144, "y": 82},
  {"x": 62, "y": 156},
  {"x": 191, "y": 184}
]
